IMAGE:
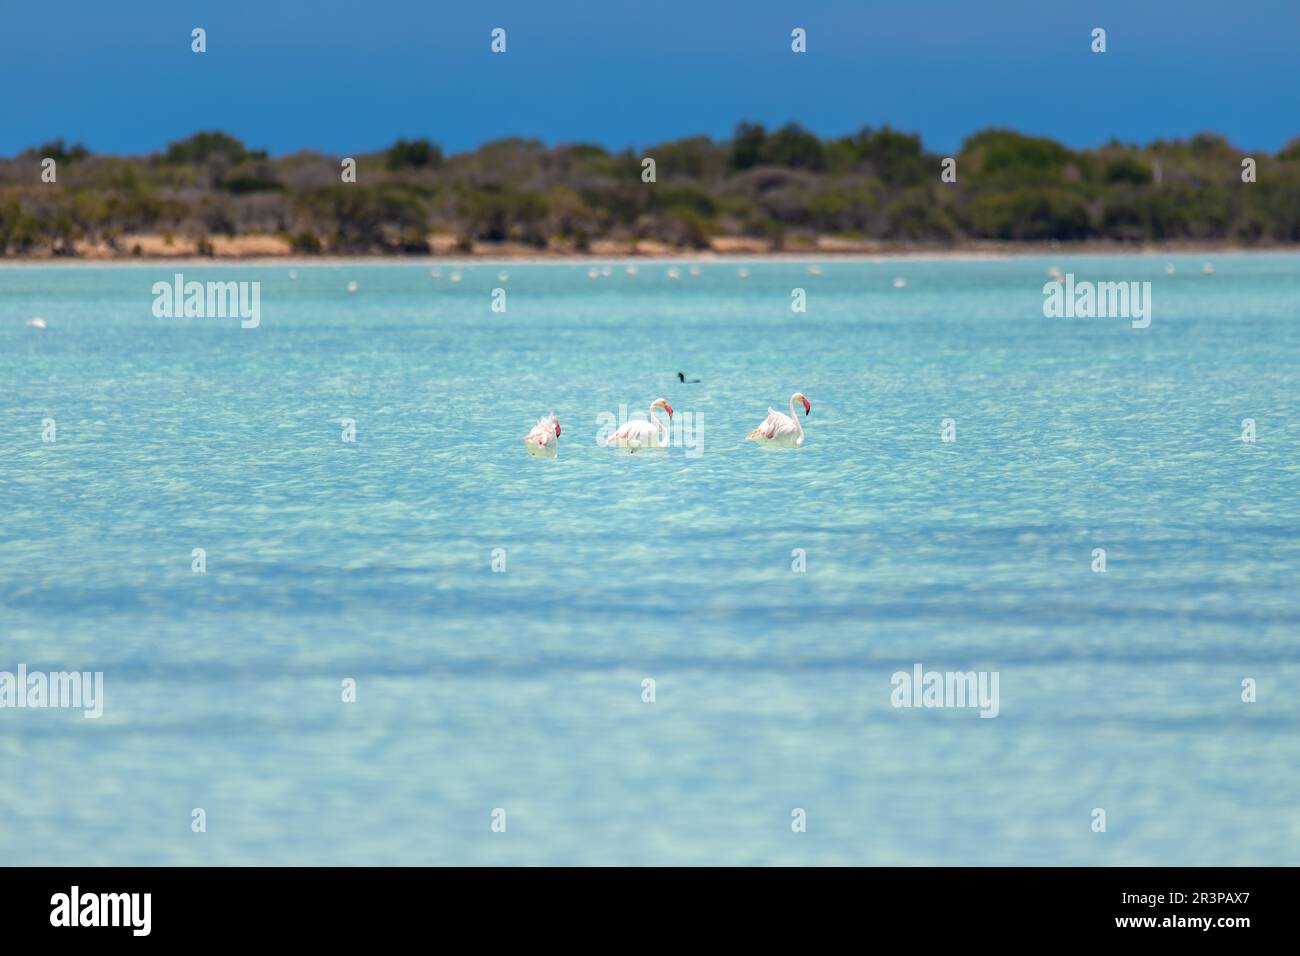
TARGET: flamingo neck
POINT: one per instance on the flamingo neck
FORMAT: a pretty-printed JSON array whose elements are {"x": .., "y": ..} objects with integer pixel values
[
  {"x": 658, "y": 425},
  {"x": 794, "y": 417}
]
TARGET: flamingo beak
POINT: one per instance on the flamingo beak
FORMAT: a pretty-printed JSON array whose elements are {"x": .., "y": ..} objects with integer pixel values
[
  {"x": 557, "y": 429},
  {"x": 807, "y": 408},
  {"x": 669, "y": 409}
]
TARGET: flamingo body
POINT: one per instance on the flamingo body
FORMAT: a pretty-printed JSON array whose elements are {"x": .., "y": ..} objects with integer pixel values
[
  {"x": 543, "y": 440},
  {"x": 638, "y": 435},
  {"x": 780, "y": 430}
]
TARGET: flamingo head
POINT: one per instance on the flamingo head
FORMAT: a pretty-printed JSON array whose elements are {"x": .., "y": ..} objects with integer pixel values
[
  {"x": 800, "y": 397},
  {"x": 661, "y": 403},
  {"x": 555, "y": 423}
]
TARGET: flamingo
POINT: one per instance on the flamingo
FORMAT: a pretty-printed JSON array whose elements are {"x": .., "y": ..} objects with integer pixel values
[
  {"x": 637, "y": 434},
  {"x": 541, "y": 441},
  {"x": 781, "y": 431}
]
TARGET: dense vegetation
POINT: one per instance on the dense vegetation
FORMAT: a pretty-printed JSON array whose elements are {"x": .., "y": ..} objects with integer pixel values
[{"x": 785, "y": 186}]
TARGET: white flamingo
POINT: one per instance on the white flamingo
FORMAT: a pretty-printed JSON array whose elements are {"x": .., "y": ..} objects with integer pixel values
[
  {"x": 542, "y": 442},
  {"x": 781, "y": 431},
  {"x": 636, "y": 435}
]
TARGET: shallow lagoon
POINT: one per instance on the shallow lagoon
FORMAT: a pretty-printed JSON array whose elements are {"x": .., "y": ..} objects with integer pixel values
[{"x": 522, "y": 690}]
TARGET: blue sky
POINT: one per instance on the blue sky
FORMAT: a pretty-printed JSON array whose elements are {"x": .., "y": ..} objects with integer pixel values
[{"x": 346, "y": 76}]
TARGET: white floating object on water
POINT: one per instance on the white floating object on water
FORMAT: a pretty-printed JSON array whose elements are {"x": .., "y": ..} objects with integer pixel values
[
  {"x": 593, "y": 273},
  {"x": 607, "y": 271},
  {"x": 1169, "y": 268},
  {"x": 1055, "y": 273},
  {"x": 743, "y": 273},
  {"x": 503, "y": 276},
  {"x": 293, "y": 273},
  {"x": 1208, "y": 269},
  {"x": 435, "y": 274},
  {"x": 814, "y": 270},
  {"x": 352, "y": 287},
  {"x": 454, "y": 277},
  {"x": 695, "y": 271},
  {"x": 631, "y": 270},
  {"x": 900, "y": 282},
  {"x": 674, "y": 273},
  {"x": 37, "y": 323}
]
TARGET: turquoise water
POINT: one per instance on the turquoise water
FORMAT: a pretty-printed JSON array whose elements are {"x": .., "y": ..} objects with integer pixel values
[{"x": 522, "y": 689}]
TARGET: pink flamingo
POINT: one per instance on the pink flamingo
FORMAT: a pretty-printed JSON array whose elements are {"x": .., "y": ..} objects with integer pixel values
[
  {"x": 781, "y": 431},
  {"x": 636, "y": 435},
  {"x": 541, "y": 441}
]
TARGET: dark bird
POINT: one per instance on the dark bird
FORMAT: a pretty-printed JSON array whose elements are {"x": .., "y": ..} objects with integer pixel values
[{"x": 681, "y": 377}]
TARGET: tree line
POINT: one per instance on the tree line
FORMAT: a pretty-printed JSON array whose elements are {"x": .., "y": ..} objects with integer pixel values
[{"x": 784, "y": 186}]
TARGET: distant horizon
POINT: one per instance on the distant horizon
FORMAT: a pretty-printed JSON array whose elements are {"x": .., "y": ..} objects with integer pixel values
[{"x": 71, "y": 141}]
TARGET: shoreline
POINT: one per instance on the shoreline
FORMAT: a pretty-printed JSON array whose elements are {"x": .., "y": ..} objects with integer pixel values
[{"x": 491, "y": 254}]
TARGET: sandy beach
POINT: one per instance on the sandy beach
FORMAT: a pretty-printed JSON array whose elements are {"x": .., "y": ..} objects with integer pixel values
[{"x": 151, "y": 247}]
